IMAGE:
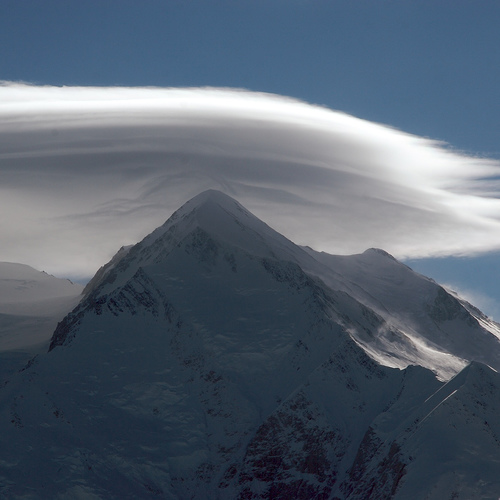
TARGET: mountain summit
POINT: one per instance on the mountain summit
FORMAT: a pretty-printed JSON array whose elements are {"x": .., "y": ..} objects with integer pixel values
[
  {"x": 210, "y": 217},
  {"x": 217, "y": 359}
]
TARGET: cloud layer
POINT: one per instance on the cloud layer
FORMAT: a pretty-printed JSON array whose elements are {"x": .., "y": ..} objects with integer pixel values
[{"x": 86, "y": 170}]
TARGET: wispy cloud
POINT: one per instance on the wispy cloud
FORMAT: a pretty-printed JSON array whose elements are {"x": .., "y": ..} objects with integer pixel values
[{"x": 85, "y": 170}]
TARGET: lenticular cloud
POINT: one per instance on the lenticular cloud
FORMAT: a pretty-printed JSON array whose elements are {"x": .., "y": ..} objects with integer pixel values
[{"x": 85, "y": 170}]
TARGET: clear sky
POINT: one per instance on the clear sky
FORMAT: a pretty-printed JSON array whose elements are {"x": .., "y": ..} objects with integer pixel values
[{"x": 426, "y": 67}]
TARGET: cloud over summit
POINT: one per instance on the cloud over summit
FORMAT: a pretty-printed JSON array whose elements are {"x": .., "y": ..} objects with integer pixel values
[{"x": 86, "y": 170}]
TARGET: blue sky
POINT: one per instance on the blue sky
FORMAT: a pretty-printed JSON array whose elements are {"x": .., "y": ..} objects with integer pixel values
[{"x": 430, "y": 68}]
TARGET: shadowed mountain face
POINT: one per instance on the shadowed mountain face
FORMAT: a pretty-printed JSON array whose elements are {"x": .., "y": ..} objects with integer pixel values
[{"x": 216, "y": 359}]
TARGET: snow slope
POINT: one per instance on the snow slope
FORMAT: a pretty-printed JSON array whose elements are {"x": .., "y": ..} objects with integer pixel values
[
  {"x": 216, "y": 359},
  {"x": 31, "y": 305},
  {"x": 424, "y": 323}
]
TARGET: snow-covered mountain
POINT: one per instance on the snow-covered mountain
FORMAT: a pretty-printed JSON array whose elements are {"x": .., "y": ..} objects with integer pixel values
[
  {"x": 31, "y": 305},
  {"x": 423, "y": 323},
  {"x": 217, "y": 359}
]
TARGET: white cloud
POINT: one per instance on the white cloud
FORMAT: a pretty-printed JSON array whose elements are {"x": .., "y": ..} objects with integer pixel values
[{"x": 85, "y": 170}]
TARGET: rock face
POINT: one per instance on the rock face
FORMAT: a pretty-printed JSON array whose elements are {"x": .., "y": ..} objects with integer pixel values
[{"x": 216, "y": 359}]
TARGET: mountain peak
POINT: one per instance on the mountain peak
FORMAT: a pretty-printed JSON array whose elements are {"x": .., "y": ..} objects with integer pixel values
[
  {"x": 212, "y": 217},
  {"x": 212, "y": 196},
  {"x": 380, "y": 252},
  {"x": 228, "y": 223},
  {"x": 212, "y": 209}
]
